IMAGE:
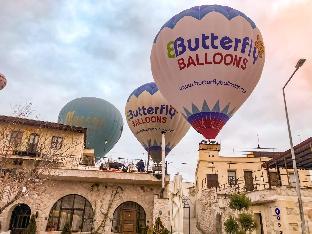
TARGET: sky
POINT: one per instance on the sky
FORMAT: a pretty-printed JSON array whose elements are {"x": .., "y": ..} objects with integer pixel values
[{"x": 54, "y": 51}]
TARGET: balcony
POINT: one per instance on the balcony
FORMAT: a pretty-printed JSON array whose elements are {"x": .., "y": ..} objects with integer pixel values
[
  {"x": 23, "y": 153},
  {"x": 95, "y": 175}
]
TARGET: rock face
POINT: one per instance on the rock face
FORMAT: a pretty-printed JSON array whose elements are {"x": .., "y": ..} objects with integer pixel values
[
  {"x": 211, "y": 211},
  {"x": 206, "y": 212}
]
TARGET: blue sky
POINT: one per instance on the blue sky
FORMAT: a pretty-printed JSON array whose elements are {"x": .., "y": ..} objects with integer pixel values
[{"x": 55, "y": 51}]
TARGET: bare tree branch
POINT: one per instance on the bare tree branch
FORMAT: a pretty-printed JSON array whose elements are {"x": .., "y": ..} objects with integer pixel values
[{"x": 22, "y": 176}]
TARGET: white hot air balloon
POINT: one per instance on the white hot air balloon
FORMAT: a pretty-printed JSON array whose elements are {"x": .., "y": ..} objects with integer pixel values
[
  {"x": 148, "y": 114},
  {"x": 206, "y": 61}
]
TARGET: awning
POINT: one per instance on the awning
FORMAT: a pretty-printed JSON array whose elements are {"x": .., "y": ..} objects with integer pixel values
[{"x": 303, "y": 153}]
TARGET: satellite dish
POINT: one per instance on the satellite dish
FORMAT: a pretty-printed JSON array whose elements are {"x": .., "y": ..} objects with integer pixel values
[{"x": 259, "y": 148}]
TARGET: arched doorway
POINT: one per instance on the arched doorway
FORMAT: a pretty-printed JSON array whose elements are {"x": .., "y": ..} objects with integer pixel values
[
  {"x": 20, "y": 218},
  {"x": 74, "y": 210},
  {"x": 129, "y": 218}
]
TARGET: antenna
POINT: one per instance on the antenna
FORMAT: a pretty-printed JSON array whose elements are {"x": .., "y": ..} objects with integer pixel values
[{"x": 259, "y": 147}]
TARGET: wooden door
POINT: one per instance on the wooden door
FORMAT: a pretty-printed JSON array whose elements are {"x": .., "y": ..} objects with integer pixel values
[
  {"x": 248, "y": 180},
  {"x": 128, "y": 221},
  {"x": 212, "y": 180}
]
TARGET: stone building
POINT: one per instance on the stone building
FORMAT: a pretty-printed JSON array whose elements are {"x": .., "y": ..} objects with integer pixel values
[
  {"x": 267, "y": 179},
  {"x": 60, "y": 184},
  {"x": 57, "y": 182}
]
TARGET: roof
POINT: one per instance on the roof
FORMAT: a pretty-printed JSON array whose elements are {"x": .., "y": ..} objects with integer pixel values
[
  {"x": 303, "y": 153},
  {"x": 42, "y": 124},
  {"x": 258, "y": 154}
]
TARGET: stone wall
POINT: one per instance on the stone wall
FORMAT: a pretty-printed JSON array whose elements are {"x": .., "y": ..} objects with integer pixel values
[
  {"x": 162, "y": 210},
  {"x": 212, "y": 210},
  {"x": 99, "y": 195}
]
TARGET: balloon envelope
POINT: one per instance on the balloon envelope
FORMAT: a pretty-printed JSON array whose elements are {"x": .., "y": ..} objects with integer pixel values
[
  {"x": 206, "y": 61},
  {"x": 102, "y": 119},
  {"x": 3, "y": 81},
  {"x": 148, "y": 114}
]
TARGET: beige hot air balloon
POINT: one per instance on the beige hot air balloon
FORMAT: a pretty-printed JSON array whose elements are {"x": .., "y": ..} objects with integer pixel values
[
  {"x": 206, "y": 61},
  {"x": 148, "y": 114}
]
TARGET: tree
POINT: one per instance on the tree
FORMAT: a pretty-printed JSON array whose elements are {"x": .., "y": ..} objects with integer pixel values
[
  {"x": 32, "y": 227},
  {"x": 19, "y": 177},
  {"x": 243, "y": 222}
]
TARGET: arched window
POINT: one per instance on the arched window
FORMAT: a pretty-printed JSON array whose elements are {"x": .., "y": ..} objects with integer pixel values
[
  {"x": 129, "y": 217},
  {"x": 73, "y": 209},
  {"x": 20, "y": 218}
]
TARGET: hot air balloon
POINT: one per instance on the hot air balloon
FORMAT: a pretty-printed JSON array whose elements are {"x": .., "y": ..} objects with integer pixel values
[
  {"x": 148, "y": 114},
  {"x": 3, "y": 81},
  {"x": 206, "y": 61},
  {"x": 102, "y": 119}
]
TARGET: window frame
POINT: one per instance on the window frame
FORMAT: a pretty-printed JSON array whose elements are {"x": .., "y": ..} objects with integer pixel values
[
  {"x": 56, "y": 145},
  {"x": 232, "y": 182},
  {"x": 16, "y": 141},
  {"x": 33, "y": 140},
  {"x": 70, "y": 212}
]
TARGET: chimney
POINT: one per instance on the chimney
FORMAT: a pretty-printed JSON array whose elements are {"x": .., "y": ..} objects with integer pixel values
[{"x": 210, "y": 146}]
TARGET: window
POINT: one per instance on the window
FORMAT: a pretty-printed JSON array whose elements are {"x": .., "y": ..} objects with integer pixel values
[
  {"x": 56, "y": 142},
  {"x": 20, "y": 218},
  {"x": 33, "y": 142},
  {"x": 73, "y": 209},
  {"x": 212, "y": 180},
  {"x": 274, "y": 180},
  {"x": 232, "y": 178},
  {"x": 16, "y": 138}
]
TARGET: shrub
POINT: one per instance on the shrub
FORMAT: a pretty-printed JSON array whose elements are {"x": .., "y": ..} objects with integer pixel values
[
  {"x": 239, "y": 202},
  {"x": 244, "y": 221},
  {"x": 231, "y": 225},
  {"x": 158, "y": 228},
  {"x": 247, "y": 222}
]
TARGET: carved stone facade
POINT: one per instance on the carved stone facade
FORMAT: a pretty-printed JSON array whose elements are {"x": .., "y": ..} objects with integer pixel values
[
  {"x": 104, "y": 191},
  {"x": 275, "y": 208},
  {"x": 99, "y": 195}
]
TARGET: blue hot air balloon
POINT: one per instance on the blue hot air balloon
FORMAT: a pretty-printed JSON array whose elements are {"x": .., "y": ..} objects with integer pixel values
[{"x": 102, "y": 119}]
